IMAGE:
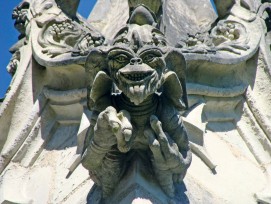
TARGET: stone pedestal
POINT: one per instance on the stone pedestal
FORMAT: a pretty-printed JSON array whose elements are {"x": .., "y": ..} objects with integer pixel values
[{"x": 138, "y": 186}]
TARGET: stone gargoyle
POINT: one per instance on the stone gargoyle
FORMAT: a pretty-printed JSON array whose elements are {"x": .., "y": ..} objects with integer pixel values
[{"x": 136, "y": 95}]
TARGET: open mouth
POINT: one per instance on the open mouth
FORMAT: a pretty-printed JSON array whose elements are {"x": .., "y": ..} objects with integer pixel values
[{"x": 136, "y": 76}]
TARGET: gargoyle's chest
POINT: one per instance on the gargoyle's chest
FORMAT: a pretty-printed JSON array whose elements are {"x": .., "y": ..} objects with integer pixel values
[{"x": 140, "y": 118}]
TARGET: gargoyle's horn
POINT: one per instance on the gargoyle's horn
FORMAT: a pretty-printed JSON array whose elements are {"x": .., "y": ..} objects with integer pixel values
[
  {"x": 154, "y": 6},
  {"x": 141, "y": 15}
]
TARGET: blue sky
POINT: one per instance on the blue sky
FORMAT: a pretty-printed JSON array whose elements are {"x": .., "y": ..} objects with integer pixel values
[{"x": 9, "y": 35}]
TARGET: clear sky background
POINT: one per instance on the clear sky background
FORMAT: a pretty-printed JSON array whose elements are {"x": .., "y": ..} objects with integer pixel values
[{"x": 9, "y": 35}]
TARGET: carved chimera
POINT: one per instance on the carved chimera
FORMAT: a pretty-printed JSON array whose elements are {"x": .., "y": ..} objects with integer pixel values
[
  {"x": 69, "y": 81},
  {"x": 144, "y": 119}
]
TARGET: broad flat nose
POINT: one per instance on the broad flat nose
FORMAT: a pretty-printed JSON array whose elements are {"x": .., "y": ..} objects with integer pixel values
[{"x": 135, "y": 60}]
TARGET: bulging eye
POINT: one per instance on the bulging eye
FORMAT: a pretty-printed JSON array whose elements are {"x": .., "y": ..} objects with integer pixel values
[
  {"x": 149, "y": 58},
  {"x": 121, "y": 58}
]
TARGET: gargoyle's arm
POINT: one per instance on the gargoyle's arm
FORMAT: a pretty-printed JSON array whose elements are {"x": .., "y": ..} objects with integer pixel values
[
  {"x": 169, "y": 161},
  {"x": 179, "y": 135},
  {"x": 173, "y": 125},
  {"x": 111, "y": 129}
]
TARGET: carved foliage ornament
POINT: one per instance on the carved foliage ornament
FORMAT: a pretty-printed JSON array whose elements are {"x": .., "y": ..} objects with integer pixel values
[
  {"x": 63, "y": 34},
  {"x": 60, "y": 34},
  {"x": 227, "y": 35}
]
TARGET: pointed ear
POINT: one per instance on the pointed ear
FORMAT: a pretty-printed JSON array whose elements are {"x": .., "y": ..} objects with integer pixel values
[
  {"x": 100, "y": 83},
  {"x": 173, "y": 91},
  {"x": 95, "y": 62},
  {"x": 175, "y": 83},
  {"x": 99, "y": 94}
]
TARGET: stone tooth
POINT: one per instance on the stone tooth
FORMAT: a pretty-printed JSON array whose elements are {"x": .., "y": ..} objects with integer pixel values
[
  {"x": 142, "y": 87},
  {"x": 136, "y": 88},
  {"x": 131, "y": 89}
]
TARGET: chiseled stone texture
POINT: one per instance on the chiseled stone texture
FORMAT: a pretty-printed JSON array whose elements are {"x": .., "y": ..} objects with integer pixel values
[
  {"x": 181, "y": 17},
  {"x": 44, "y": 116}
]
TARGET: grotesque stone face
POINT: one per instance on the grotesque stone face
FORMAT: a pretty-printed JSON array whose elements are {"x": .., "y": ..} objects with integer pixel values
[
  {"x": 136, "y": 61},
  {"x": 139, "y": 74}
]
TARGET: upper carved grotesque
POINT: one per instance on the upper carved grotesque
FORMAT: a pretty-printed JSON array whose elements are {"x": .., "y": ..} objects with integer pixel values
[{"x": 136, "y": 93}]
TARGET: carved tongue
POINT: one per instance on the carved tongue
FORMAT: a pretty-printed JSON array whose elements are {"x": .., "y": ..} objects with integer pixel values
[{"x": 138, "y": 94}]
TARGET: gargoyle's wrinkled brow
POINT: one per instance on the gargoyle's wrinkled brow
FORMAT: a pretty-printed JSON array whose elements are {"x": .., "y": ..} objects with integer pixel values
[
  {"x": 117, "y": 52},
  {"x": 150, "y": 55},
  {"x": 154, "y": 51}
]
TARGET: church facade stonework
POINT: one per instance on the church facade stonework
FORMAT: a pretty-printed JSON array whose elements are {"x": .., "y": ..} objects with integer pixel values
[{"x": 143, "y": 102}]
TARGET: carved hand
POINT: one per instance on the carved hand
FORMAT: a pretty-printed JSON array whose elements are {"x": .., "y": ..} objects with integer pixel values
[
  {"x": 113, "y": 128},
  {"x": 167, "y": 161}
]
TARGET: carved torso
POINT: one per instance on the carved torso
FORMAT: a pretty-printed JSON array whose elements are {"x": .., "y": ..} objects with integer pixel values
[{"x": 140, "y": 117}]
